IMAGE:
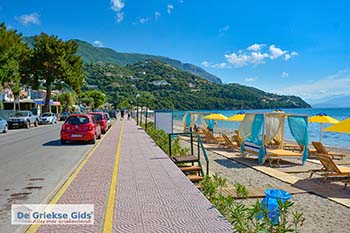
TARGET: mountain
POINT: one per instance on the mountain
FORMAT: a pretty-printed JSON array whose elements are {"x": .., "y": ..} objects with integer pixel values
[
  {"x": 333, "y": 102},
  {"x": 163, "y": 86},
  {"x": 91, "y": 54}
]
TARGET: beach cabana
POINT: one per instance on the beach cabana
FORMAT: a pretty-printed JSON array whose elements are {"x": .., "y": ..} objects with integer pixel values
[
  {"x": 191, "y": 118},
  {"x": 258, "y": 130}
]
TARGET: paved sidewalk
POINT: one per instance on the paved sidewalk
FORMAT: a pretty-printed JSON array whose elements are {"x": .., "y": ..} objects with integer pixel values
[{"x": 152, "y": 195}]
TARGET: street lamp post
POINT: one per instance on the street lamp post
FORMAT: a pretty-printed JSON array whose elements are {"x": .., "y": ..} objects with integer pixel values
[
  {"x": 137, "y": 109},
  {"x": 146, "y": 116},
  {"x": 141, "y": 117}
]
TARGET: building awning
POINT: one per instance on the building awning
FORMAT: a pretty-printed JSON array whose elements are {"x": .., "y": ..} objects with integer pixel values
[{"x": 42, "y": 102}]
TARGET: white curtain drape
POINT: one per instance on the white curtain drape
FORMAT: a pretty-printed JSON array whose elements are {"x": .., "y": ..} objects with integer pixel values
[
  {"x": 274, "y": 127},
  {"x": 246, "y": 126}
]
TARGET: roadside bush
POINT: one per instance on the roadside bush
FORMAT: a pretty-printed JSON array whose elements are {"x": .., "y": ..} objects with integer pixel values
[
  {"x": 251, "y": 219},
  {"x": 161, "y": 138}
]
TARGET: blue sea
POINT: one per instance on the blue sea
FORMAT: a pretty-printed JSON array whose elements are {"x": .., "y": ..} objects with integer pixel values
[{"x": 328, "y": 138}]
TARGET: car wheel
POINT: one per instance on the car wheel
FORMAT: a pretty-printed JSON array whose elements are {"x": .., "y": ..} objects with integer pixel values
[
  {"x": 36, "y": 123},
  {"x": 63, "y": 142},
  {"x": 5, "y": 129},
  {"x": 28, "y": 124},
  {"x": 99, "y": 136},
  {"x": 93, "y": 141},
  {"x": 103, "y": 131}
]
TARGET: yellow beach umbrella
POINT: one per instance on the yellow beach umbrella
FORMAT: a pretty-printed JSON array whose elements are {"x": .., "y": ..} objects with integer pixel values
[
  {"x": 215, "y": 117},
  {"x": 341, "y": 127},
  {"x": 322, "y": 118},
  {"x": 237, "y": 117}
]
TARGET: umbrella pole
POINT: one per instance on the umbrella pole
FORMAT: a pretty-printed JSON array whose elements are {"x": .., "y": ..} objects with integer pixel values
[{"x": 320, "y": 132}]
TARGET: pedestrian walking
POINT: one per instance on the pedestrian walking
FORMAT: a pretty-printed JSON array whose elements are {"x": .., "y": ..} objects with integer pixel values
[{"x": 121, "y": 114}]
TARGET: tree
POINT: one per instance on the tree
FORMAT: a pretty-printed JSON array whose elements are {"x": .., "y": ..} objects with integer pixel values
[
  {"x": 67, "y": 99},
  {"x": 54, "y": 61},
  {"x": 96, "y": 98},
  {"x": 12, "y": 53}
]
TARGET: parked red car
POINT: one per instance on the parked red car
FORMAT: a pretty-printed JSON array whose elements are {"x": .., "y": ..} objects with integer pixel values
[
  {"x": 80, "y": 127},
  {"x": 102, "y": 120}
]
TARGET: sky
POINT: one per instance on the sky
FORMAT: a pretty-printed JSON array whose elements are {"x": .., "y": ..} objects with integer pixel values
[{"x": 287, "y": 47}]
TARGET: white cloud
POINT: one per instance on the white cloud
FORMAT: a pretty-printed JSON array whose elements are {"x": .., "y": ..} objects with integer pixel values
[
  {"x": 98, "y": 43},
  {"x": 257, "y": 54},
  {"x": 256, "y": 47},
  {"x": 333, "y": 85},
  {"x": 25, "y": 20},
  {"x": 276, "y": 52},
  {"x": 284, "y": 75},
  {"x": 117, "y": 6},
  {"x": 170, "y": 8},
  {"x": 220, "y": 65},
  {"x": 205, "y": 63},
  {"x": 237, "y": 60},
  {"x": 250, "y": 79},
  {"x": 156, "y": 15},
  {"x": 144, "y": 20},
  {"x": 289, "y": 56},
  {"x": 224, "y": 29},
  {"x": 120, "y": 17},
  {"x": 258, "y": 58},
  {"x": 243, "y": 59}
]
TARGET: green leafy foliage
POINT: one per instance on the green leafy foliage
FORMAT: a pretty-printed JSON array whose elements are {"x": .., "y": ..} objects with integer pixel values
[
  {"x": 161, "y": 138},
  {"x": 162, "y": 86},
  {"x": 54, "y": 60},
  {"x": 68, "y": 99},
  {"x": 241, "y": 190},
  {"x": 13, "y": 52},
  {"x": 93, "y": 98},
  {"x": 249, "y": 219}
]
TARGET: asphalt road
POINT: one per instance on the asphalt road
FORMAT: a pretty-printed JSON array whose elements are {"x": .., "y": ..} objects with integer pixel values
[{"x": 33, "y": 164}]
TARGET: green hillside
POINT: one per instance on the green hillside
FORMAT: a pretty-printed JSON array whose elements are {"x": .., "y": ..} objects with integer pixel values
[
  {"x": 91, "y": 54},
  {"x": 163, "y": 86}
]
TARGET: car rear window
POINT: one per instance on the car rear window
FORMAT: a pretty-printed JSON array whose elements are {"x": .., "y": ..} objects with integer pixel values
[
  {"x": 98, "y": 117},
  {"x": 78, "y": 120}
]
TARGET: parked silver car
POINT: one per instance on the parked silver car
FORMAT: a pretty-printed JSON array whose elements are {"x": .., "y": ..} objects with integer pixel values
[
  {"x": 3, "y": 125},
  {"x": 47, "y": 118}
]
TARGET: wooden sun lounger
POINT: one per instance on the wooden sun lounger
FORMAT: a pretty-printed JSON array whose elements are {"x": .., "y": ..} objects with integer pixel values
[
  {"x": 322, "y": 150},
  {"x": 330, "y": 168},
  {"x": 210, "y": 138},
  {"x": 228, "y": 143},
  {"x": 279, "y": 154}
]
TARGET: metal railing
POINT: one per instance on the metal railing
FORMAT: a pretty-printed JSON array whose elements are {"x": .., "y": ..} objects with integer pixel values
[
  {"x": 200, "y": 148},
  {"x": 180, "y": 134}
]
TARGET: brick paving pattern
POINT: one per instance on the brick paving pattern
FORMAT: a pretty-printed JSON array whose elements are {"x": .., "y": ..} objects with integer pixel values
[
  {"x": 91, "y": 185},
  {"x": 153, "y": 195}
]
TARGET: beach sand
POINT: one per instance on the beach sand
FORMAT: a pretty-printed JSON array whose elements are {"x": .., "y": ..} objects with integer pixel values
[{"x": 321, "y": 214}]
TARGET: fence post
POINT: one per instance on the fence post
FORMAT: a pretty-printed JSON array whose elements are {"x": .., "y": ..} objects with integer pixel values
[{"x": 170, "y": 145}]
